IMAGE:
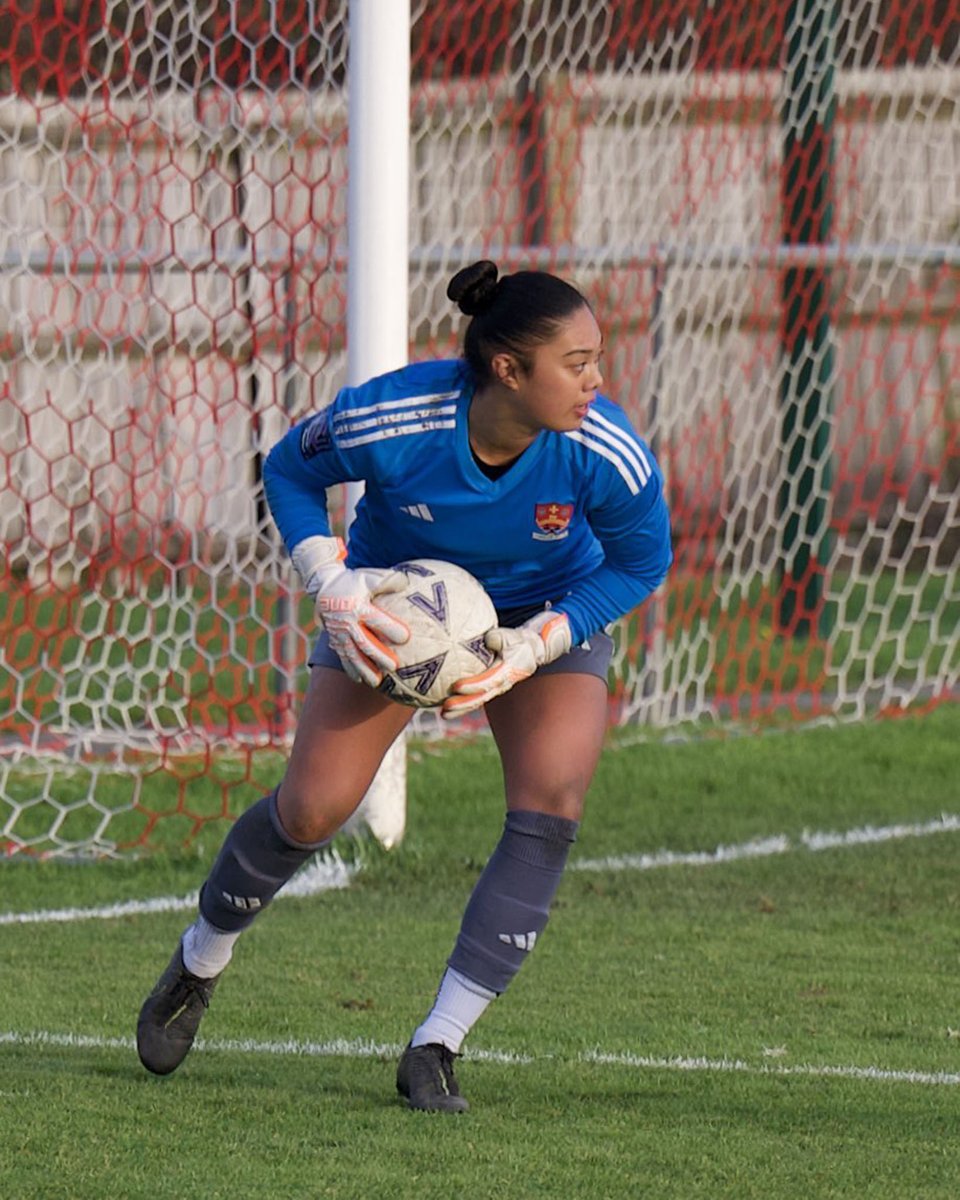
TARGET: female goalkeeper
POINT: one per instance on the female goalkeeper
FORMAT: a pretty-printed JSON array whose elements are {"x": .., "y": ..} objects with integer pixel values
[{"x": 511, "y": 464}]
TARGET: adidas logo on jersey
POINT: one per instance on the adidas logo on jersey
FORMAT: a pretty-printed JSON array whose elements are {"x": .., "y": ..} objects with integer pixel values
[
  {"x": 522, "y": 941},
  {"x": 417, "y": 510}
]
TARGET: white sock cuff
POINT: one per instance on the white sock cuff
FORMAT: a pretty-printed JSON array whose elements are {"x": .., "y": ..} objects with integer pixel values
[
  {"x": 206, "y": 950},
  {"x": 470, "y": 985},
  {"x": 459, "y": 1005}
]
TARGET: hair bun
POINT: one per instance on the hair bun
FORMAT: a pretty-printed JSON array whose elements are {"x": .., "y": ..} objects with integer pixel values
[{"x": 473, "y": 288}]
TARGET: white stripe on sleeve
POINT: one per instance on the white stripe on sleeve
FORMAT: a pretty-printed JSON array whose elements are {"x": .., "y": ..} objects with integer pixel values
[
  {"x": 390, "y": 431},
  {"x": 396, "y": 405},
  {"x": 626, "y": 469},
  {"x": 605, "y": 430}
]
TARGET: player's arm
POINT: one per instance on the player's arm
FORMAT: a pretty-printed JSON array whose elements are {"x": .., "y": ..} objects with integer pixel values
[
  {"x": 633, "y": 526},
  {"x": 635, "y": 534},
  {"x": 296, "y": 474}
]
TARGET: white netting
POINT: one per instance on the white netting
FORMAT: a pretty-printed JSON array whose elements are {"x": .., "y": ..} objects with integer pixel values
[{"x": 762, "y": 201}]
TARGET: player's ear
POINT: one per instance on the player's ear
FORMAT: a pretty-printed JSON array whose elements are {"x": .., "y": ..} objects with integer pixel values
[{"x": 505, "y": 370}]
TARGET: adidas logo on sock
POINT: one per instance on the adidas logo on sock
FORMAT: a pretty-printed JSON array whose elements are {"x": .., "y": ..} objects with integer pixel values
[
  {"x": 244, "y": 903},
  {"x": 522, "y": 941}
]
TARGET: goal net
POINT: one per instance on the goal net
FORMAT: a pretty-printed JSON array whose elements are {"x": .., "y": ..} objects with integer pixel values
[{"x": 761, "y": 200}]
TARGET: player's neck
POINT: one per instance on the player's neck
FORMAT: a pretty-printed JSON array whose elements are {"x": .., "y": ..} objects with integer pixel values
[{"x": 496, "y": 436}]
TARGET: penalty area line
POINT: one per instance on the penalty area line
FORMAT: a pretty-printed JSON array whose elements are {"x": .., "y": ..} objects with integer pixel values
[
  {"x": 358, "y": 1049},
  {"x": 331, "y": 872},
  {"x": 321, "y": 875},
  {"x": 766, "y": 847}
]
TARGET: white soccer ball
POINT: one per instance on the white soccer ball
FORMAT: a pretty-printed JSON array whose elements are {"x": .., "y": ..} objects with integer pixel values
[{"x": 448, "y": 613}]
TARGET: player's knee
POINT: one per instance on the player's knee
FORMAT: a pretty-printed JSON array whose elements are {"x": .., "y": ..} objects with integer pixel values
[
  {"x": 311, "y": 814},
  {"x": 563, "y": 798}
]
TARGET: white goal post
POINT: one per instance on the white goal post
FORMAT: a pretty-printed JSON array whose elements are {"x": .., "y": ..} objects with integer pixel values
[{"x": 378, "y": 273}]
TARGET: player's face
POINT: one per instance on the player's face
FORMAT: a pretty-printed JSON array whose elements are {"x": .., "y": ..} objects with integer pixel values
[{"x": 556, "y": 393}]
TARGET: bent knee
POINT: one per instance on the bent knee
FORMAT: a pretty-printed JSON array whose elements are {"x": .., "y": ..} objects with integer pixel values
[
  {"x": 313, "y": 813},
  {"x": 561, "y": 799}
]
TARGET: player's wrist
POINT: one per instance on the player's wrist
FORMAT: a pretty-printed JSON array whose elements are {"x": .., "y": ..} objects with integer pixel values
[
  {"x": 552, "y": 630},
  {"x": 318, "y": 560}
]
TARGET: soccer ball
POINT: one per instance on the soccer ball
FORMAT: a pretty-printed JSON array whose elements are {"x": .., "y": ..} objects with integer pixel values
[{"x": 448, "y": 613}]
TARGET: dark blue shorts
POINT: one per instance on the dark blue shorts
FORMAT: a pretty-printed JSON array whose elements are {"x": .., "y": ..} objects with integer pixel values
[{"x": 591, "y": 657}]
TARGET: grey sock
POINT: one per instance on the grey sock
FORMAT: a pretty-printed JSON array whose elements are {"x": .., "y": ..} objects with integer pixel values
[
  {"x": 511, "y": 901},
  {"x": 254, "y": 863}
]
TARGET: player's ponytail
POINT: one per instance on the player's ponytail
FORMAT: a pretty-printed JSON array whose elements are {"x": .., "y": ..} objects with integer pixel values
[
  {"x": 474, "y": 287},
  {"x": 510, "y": 313}
]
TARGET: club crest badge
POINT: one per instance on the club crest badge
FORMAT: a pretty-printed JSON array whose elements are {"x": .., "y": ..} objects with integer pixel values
[{"x": 553, "y": 521}]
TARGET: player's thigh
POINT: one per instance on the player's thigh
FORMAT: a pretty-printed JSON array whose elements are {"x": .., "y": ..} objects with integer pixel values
[
  {"x": 550, "y": 731},
  {"x": 344, "y": 730}
]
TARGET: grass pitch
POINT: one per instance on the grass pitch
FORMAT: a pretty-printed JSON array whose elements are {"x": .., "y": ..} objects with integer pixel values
[{"x": 781, "y": 1025}]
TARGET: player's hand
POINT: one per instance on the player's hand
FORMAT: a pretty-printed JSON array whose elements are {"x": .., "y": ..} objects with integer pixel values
[
  {"x": 519, "y": 653},
  {"x": 360, "y": 633}
]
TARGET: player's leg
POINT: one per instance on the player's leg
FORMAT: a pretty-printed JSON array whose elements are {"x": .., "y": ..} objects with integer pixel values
[
  {"x": 345, "y": 728},
  {"x": 550, "y": 734},
  {"x": 344, "y": 731},
  {"x": 550, "y": 731}
]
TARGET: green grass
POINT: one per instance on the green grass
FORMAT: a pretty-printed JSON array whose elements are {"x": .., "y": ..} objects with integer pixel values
[{"x": 842, "y": 958}]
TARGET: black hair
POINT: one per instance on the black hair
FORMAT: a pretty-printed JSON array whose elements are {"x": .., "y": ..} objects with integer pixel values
[{"x": 510, "y": 313}]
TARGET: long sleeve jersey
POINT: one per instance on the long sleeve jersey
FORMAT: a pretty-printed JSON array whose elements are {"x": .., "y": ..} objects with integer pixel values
[{"x": 578, "y": 520}]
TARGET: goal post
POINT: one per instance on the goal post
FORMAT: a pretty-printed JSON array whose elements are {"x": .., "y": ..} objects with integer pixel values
[
  {"x": 377, "y": 273},
  {"x": 762, "y": 204}
]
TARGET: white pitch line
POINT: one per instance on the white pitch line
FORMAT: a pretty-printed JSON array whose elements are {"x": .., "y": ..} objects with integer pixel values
[
  {"x": 782, "y": 843},
  {"x": 758, "y": 848},
  {"x": 357, "y": 1048},
  {"x": 321, "y": 875},
  {"x": 332, "y": 872},
  {"x": 874, "y": 1074},
  {"x": 870, "y": 834}
]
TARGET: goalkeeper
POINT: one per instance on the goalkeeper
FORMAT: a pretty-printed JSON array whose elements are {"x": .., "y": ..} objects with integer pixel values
[{"x": 510, "y": 463}]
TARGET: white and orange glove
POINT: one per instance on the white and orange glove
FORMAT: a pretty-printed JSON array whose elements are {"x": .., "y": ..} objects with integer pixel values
[
  {"x": 519, "y": 653},
  {"x": 359, "y": 631}
]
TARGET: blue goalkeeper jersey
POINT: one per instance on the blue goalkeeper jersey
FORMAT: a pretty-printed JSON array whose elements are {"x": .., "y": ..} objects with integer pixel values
[{"x": 579, "y": 519}]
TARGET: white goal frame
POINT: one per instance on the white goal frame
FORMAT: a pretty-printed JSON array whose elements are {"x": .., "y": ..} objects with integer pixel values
[{"x": 377, "y": 275}]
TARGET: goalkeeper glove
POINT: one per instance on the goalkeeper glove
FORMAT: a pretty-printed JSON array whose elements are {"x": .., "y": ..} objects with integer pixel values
[
  {"x": 519, "y": 653},
  {"x": 359, "y": 631}
]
